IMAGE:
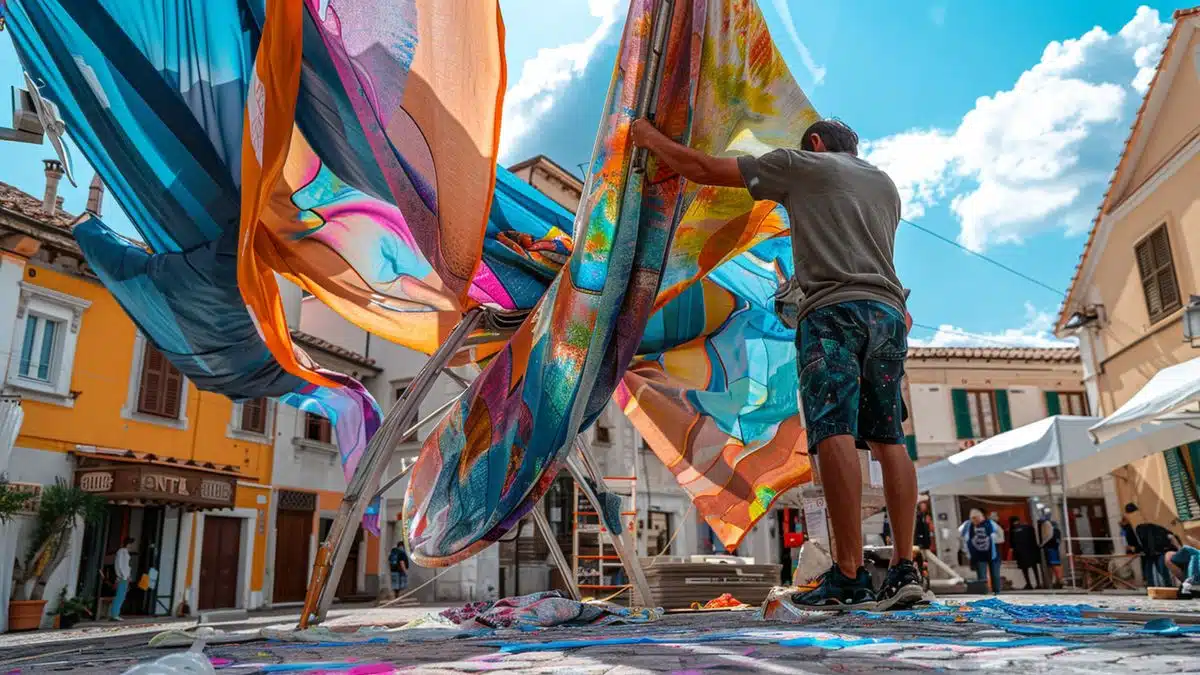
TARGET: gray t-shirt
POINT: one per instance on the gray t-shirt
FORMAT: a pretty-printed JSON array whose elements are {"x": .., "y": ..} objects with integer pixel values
[{"x": 844, "y": 213}]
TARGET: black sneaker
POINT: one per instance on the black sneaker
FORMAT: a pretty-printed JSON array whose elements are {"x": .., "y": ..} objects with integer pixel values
[
  {"x": 838, "y": 592},
  {"x": 902, "y": 588}
]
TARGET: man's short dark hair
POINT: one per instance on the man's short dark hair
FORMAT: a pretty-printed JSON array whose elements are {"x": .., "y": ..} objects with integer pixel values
[
  {"x": 127, "y": 541},
  {"x": 1131, "y": 508},
  {"x": 836, "y": 134}
]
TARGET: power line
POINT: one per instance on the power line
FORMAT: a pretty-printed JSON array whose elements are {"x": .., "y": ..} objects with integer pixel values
[{"x": 997, "y": 263}]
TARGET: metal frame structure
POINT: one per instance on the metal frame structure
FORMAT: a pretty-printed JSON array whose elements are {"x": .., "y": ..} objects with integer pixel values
[{"x": 397, "y": 424}]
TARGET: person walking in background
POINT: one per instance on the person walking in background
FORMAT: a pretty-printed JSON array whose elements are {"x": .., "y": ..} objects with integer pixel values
[
  {"x": 923, "y": 535},
  {"x": 979, "y": 535},
  {"x": 1023, "y": 543},
  {"x": 122, "y": 564},
  {"x": 887, "y": 530},
  {"x": 1153, "y": 542},
  {"x": 1185, "y": 563},
  {"x": 995, "y": 518},
  {"x": 398, "y": 562},
  {"x": 1051, "y": 538}
]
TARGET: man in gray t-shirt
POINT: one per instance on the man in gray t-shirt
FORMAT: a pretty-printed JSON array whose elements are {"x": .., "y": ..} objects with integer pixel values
[{"x": 852, "y": 338}]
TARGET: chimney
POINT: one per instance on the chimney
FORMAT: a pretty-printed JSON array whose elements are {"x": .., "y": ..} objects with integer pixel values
[
  {"x": 95, "y": 196},
  {"x": 54, "y": 173}
]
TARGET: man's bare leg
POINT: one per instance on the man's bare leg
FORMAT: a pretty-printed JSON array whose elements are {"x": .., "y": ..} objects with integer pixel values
[
  {"x": 841, "y": 478},
  {"x": 900, "y": 493}
]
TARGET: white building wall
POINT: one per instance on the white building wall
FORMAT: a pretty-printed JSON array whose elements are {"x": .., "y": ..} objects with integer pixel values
[{"x": 1026, "y": 405}]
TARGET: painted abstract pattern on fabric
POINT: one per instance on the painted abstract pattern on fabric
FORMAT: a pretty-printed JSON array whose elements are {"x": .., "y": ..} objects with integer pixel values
[
  {"x": 645, "y": 244},
  {"x": 154, "y": 95},
  {"x": 718, "y": 403},
  {"x": 378, "y": 95}
]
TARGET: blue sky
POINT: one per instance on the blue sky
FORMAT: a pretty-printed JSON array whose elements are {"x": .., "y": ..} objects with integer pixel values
[{"x": 1000, "y": 123}]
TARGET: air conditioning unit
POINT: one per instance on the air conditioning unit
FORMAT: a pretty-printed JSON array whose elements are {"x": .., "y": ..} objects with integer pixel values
[{"x": 34, "y": 119}]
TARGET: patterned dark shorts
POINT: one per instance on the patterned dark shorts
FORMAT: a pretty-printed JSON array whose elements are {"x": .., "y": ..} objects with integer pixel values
[{"x": 851, "y": 368}]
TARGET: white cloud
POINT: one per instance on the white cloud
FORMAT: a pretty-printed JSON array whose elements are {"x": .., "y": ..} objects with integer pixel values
[
  {"x": 810, "y": 64},
  {"x": 549, "y": 71},
  {"x": 1037, "y": 332},
  {"x": 1037, "y": 156}
]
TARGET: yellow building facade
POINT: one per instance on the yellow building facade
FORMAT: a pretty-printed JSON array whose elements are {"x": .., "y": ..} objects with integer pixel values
[{"x": 186, "y": 473}]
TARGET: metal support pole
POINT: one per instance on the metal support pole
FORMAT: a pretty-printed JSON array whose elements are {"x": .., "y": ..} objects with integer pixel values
[
  {"x": 556, "y": 554},
  {"x": 1062, "y": 477},
  {"x": 648, "y": 98},
  {"x": 331, "y": 557},
  {"x": 583, "y": 467}
]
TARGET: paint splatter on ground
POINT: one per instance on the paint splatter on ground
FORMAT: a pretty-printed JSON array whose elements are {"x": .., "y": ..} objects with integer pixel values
[{"x": 711, "y": 644}]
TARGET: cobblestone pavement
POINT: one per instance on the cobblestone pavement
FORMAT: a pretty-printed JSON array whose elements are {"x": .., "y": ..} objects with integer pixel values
[{"x": 684, "y": 644}]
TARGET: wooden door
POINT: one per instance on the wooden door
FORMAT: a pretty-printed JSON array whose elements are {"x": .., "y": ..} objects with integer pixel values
[
  {"x": 348, "y": 585},
  {"x": 222, "y": 547},
  {"x": 293, "y": 535}
]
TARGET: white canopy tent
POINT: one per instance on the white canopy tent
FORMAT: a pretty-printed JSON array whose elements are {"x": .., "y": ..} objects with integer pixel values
[
  {"x": 1172, "y": 395},
  {"x": 1063, "y": 442}
]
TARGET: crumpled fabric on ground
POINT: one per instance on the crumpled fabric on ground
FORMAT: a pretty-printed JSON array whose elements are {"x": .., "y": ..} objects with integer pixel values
[{"x": 545, "y": 610}]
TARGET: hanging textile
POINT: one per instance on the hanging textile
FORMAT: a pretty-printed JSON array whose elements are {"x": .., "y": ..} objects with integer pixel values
[
  {"x": 154, "y": 94},
  {"x": 646, "y": 240}
]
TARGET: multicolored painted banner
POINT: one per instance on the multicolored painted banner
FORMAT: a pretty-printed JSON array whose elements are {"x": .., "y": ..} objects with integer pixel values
[
  {"x": 318, "y": 141},
  {"x": 647, "y": 240}
]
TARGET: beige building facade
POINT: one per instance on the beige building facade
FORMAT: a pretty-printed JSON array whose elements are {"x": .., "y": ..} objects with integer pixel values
[
  {"x": 961, "y": 396},
  {"x": 1140, "y": 271}
]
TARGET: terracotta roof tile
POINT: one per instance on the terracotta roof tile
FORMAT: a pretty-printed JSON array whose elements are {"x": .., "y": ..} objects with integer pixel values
[
  {"x": 1133, "y": 129},
  {"x": 1047, "y": 355},
  {"x": 317, "y": 343},
  {"x": 24, "y": 204}
]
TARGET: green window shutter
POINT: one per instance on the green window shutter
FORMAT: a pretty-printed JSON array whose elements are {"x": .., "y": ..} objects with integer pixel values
[
  {"x": 1003, "y": 412},
  {"x": 962, "y": 414},
  {"x": 1053, "y": 406},
  {"x": 910, "y": 442},
  {"x": 1194, "y": 454},
  {"x": 1182, "y": 486}
]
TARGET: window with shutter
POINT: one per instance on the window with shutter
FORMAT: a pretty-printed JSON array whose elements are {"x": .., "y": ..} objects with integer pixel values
[
  {"x": 1156, "y": 268},
  {"x": 1053, "y": 405},
  {"x": 1003, "y": 411},
  {"x": 962, "y": 414},
  {"x": 983, "y": 414},
  {"x": 317, "y": 428},
  {"x": 161, "y": 388},
  {"x": 254, "y": 416},
  {"x": 1183, "y": 485}
]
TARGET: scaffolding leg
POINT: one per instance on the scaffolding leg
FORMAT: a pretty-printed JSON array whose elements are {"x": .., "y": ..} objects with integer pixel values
[
  {"x": 583, "y": 466},
  {"x": 331, "y": 557},
  {"x": 556, "y": 554}
]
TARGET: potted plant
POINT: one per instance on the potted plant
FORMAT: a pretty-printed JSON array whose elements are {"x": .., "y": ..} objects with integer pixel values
[
  {"x": 69, "y": 611},
  {"x": 61, "y": 505}
]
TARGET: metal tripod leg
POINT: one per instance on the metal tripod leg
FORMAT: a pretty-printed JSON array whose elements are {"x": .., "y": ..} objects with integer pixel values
[
  {"x": 583, "y": 466},
  {"x": 556, "y": 554},
  {"x": 331, "y": 557}
]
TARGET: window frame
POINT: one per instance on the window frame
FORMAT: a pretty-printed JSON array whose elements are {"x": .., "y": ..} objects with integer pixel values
[
  {"x": 325, "y": 437},
  {"x": 52, "y": 306},
  {"x": 975, "y": 411},
  {"x": 1156, "y": 274},
  {"x": 130, "y": 410},
  {"x": 237, "y": 430},
  {"x": 399, "y": 387},
  {"x": 169, "y": 372}
]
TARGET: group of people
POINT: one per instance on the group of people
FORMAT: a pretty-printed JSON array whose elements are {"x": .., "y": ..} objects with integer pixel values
[
  {"x": 1028, "y": 546},
  {"x": 1161, "y": 551}
]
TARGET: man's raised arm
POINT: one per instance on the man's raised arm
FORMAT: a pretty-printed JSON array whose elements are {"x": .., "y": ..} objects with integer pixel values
[{"x": 693, "y": 165}]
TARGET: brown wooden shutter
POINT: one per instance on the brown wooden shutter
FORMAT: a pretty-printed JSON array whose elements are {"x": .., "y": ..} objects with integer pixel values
[
  {"x": 150, "y": 394},
  {"x": 161, "y": 388},
  {"x": 254, "y": 416},
  {"x": 1156, "y": 268},
  {"x": 172, "y": 391},
  {"x": 317, "y": 428}
]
